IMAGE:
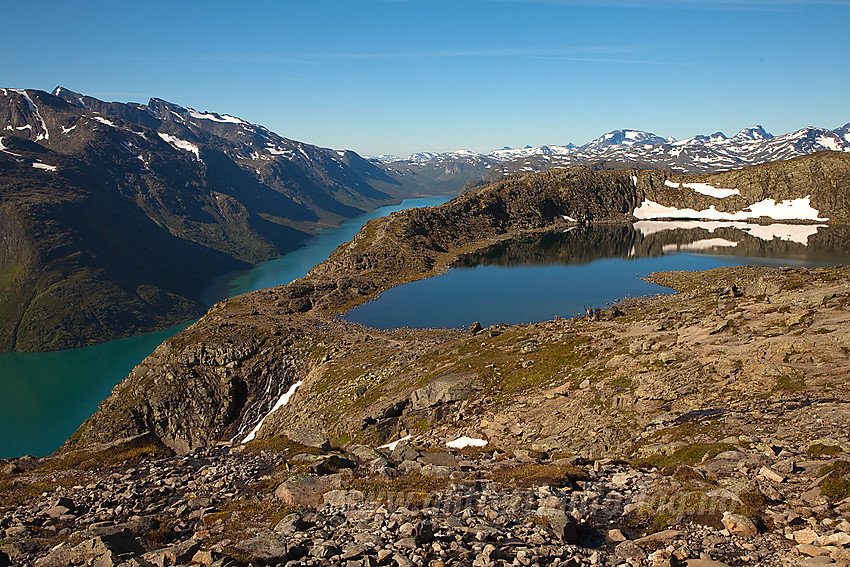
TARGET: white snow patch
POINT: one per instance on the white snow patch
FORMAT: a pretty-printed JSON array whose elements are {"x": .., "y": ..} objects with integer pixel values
[
  {"x": 830, "y": 143},
  {"x": 392, "y": 446},
  {"x": 634, "y": 180},
  {"x": 44, "y": 166},
  {"x": 463, "y": 442},
  {"x": 27, "y": 127},
  {"x": 797, "y": 209},
  {"x": 279, "y": 152},
  {"x": 799, "y": 233},
  {"x": 66, "y": 130},
  {"x": 214, "y": 117},
  {"x": 6, "y": 151},
  {"x": 568, "y": 219},
  {"x": 103, "y": 120},
  {"x": 41, "y": 136},
  {"x": 280, "y": 403},
  {"x": 705, "y": 189},
  {"x": 181, "y": 144},
  {"x": 699, "y": 245},
  {"x": 300, "y": 149}
]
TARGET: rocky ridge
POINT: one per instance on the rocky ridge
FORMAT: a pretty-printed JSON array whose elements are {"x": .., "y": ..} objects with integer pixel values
[{"x": 249, "y": 350}]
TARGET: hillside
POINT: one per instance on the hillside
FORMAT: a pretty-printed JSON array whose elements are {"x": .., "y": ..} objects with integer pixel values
[
  {"x": 704, "y": 428},
  {"x": 247, "y": 351},
  {"x": 115, "y": 216}
]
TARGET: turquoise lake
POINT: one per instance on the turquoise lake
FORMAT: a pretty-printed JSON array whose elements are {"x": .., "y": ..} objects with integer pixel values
[{"x": 46, "y": 396}]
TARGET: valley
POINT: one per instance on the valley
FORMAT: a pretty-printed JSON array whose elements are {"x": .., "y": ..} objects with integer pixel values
[{"x": 700, "y": 426}]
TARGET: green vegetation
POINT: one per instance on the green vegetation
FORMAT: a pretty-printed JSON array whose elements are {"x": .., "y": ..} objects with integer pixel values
[
  {"x": 819, "y": 450},
  {"x": 534, "y": 474},
  {"x": 688, "y": 455}
]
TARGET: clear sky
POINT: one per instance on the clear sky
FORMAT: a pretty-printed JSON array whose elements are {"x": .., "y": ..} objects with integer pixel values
[{"x": 398, "y": 76}]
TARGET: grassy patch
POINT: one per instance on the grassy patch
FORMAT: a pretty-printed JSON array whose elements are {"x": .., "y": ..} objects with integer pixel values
[
  {"x": 835, "y": 488},
  {"x": 837, "y": 485},
  {"x": 279, "y": 444},
  {"x": 791, "y": 383},
  {"x": 819, "y": 450},
  {"x": 411, "y": 490},
  {"x": 83, "y": 460},
  {"x": 688, "y": 455},
  {"x": 531, "y": 475}
]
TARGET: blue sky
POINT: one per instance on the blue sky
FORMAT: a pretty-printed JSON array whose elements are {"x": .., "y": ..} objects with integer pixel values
[{"x": 398, "y": 76}]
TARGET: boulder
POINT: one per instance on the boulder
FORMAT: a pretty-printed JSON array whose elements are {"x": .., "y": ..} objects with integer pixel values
[
  {"x": 629, "y": 550},
  {"x": 309, "y": 436},
  {"x": 302, "y": 491},
  {"x": 267, "y": 547},
  {"x": 563, "y": 524},
  {"x": 739, "y": 525},
  {"x": 445, "y": 389}
]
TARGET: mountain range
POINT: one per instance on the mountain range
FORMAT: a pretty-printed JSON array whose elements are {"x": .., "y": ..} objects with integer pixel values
[
  {"x": 621, "y": 149},
  {"x": 116, "y": 216}
]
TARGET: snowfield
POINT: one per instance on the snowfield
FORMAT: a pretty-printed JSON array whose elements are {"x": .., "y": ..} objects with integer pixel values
[
  {"x": 791, "y": 209},
  {"x": 181, "y": 144}
]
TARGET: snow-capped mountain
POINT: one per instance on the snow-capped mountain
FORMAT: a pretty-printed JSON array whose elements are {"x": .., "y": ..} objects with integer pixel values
[{"x": 632, "y": 148}]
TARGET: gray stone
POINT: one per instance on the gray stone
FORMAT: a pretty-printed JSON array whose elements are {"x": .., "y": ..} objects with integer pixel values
[
  {"x": 447, "y": 388},
  {"x": 291, "y": 523},
  {"x": 267, "y": 547},
  {"x": 121, "y": 544},
  {"x": 302, "y": 491},
  {"x": 439, "y": 459},
  {"x": 324, "y": 550},
  {"x": 404, "y": 452},
  {"x": 59, "y": 556},
  {"x": 739, "y": 525},
  {"x": 364, "y": 454},
  {"x": 629, "y": 550},
  {"x": 563, "y": 524},
  {"x": 309, "y": 436}
]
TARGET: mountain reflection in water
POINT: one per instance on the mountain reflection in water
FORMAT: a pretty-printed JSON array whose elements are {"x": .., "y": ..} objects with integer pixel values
[{"x": 540, "y": 276}]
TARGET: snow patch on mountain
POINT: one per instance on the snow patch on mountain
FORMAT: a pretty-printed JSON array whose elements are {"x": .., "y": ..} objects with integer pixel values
[
  {"x": 181, "y": 144},
  {"x": 44, "y": 134},
  {"x": 44, "y": 166},
  {"x": 214, "y": 117},
  {"x": 282, "y": 401},
  {"x": 790, "y": 209},
  {"x": 699, "y": 245}
]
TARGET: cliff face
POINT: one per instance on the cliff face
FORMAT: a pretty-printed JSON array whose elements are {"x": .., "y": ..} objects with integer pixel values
[{"x": 588, "y": 386}]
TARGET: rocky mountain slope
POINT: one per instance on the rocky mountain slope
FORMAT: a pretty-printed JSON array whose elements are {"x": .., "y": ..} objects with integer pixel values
[
  {"x": 246, "y": 352},
  {"x": 115, "y": 216},
  {"x": 704, "y": 428},
  {"x": 623, "y": 149}
]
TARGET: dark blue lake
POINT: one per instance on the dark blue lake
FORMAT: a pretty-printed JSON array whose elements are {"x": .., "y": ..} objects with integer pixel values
[{"x": 561, "y": 274}]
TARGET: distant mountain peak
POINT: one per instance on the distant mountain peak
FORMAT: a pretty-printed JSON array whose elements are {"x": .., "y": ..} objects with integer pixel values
[{"x": 756, "y": 132}]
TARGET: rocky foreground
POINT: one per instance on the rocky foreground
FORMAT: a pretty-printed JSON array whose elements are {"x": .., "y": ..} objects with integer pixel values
[{"x": 757, "y": 502}]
